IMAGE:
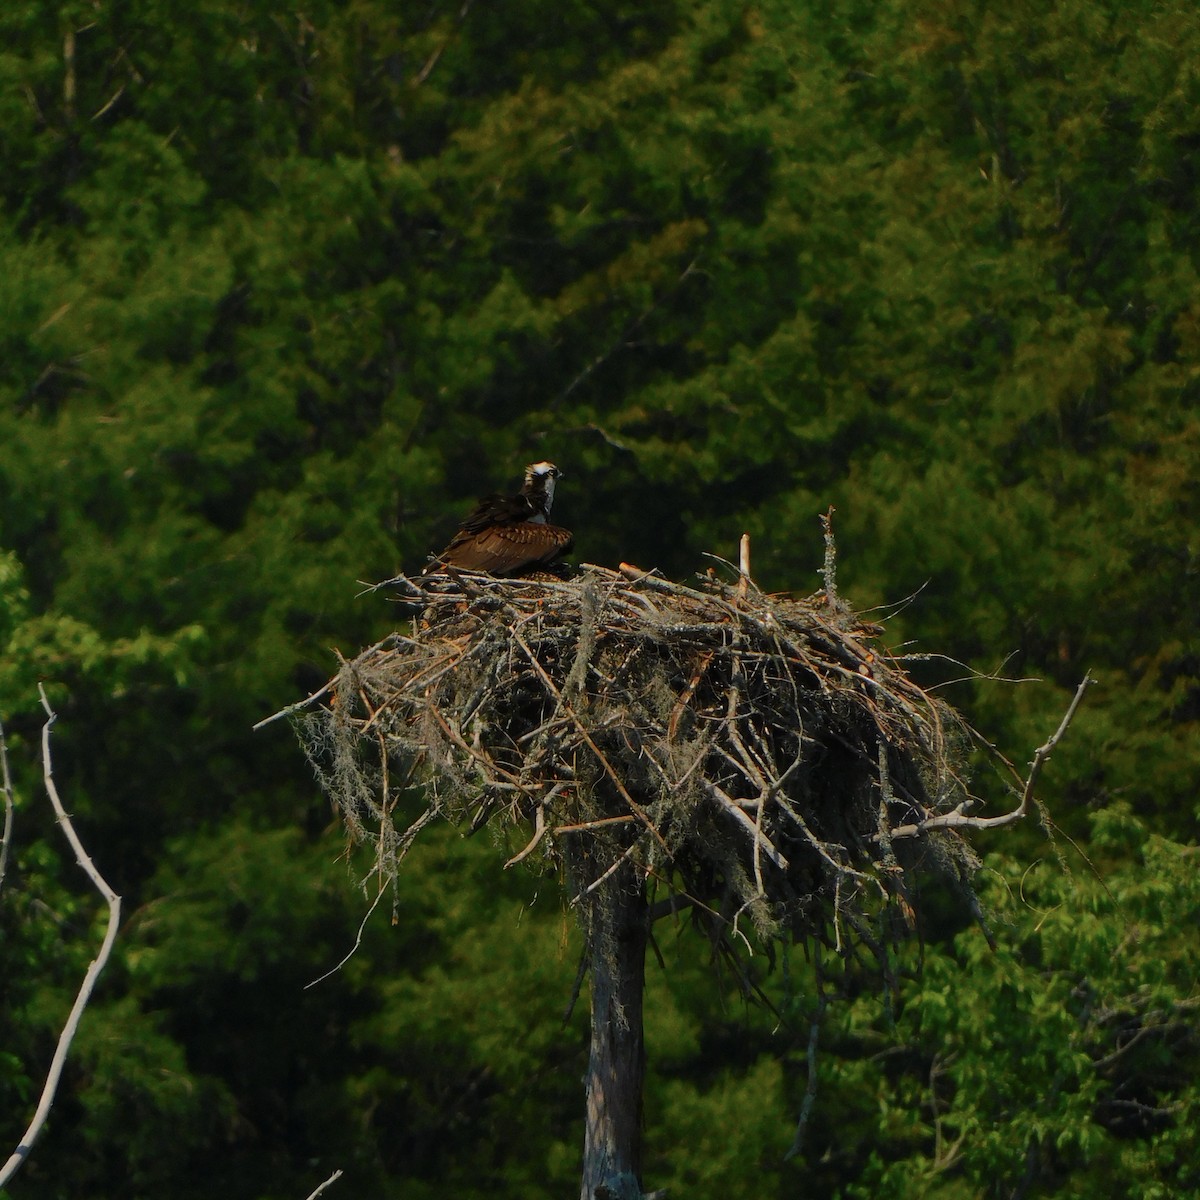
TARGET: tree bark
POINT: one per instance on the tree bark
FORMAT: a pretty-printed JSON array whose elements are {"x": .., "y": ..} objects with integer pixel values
[{"x": 612, "y": 1149}]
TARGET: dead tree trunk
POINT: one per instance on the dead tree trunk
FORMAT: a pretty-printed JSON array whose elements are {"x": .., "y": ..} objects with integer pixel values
[{"x": 618, "y": 927}]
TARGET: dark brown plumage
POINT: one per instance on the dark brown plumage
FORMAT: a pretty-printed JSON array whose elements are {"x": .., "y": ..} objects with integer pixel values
[{"x": 510, "y": 535}]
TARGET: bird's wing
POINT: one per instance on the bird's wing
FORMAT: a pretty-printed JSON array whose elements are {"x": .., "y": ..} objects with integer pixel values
[
  {"x": 496, "y": 510},
  {"x": 506, "y": 549}
]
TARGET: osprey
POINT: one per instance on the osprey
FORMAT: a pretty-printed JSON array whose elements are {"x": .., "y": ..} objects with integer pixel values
[{"x": 510, "y": 535}]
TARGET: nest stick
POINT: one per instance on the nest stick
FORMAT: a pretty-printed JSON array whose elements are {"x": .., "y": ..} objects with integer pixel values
[{"x": 634, "y": 806}]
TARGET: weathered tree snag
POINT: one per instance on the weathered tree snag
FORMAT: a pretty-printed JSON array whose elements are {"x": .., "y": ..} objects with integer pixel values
[
  {"x": 764, "y": 760},
  {"x": 612, "y": 1150}
]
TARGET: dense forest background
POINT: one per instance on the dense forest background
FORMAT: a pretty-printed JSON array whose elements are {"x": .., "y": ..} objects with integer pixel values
[{"x": 282, "y": 290}]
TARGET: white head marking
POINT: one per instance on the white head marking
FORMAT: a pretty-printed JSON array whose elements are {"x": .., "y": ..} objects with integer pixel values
[{"x": 542, "y": 475}]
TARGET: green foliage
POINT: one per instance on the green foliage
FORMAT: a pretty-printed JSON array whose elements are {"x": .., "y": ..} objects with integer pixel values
[
  {"x": 1065, "y": 1060},
  {"x": 734, "y": 1138},
  {"x": 283, "y": 292}
]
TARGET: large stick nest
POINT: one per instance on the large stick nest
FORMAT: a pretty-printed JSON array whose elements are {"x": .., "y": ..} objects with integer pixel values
[{"x": 760, "y": 757}]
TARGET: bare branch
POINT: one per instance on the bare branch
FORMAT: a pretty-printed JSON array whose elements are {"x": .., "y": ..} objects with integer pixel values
[
  {"x": 293, "y": 708},
  {"x": 539, "y": 821},
  {"x": 8, "y": 807},
  {"x": 599, "y": 823},
  {"x": 607, "y": 874},
  {"x": 829, "y": 570},
  {"x": 358, "y": 937},
  {"x": 753, "y": 828},
  {"x": 332, "y": 1179},
  {"x": 810, "y": 1090},
  {"x": 1043, "y": 752},
  {"x": 31, "y": 1134},
  {"x": 957, "y": 818}
]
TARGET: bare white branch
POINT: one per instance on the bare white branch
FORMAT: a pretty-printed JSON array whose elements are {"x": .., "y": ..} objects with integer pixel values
[
  {"x": 65, "y": 1038},
  {"x": 743, "y": 566},
  {"x": 299, "y": 706},
  {"x": 8, "y": 807},
  {"x": 957, "y": 819},
  {"x": 332, "y": 1179}
]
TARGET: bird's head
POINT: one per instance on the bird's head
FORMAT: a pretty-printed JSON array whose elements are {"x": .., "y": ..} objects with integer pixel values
[{"x": 539, "y": 479}]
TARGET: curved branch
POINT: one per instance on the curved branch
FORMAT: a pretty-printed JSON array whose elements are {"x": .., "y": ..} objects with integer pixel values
[
  {"x": 65, "y": 1038},
  {"x": 957, "y": 819},
  {"x": 6, "y": 841}
]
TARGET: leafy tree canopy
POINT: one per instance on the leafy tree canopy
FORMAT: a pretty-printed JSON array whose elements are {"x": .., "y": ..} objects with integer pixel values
[{"x": 284, "y": 291}]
